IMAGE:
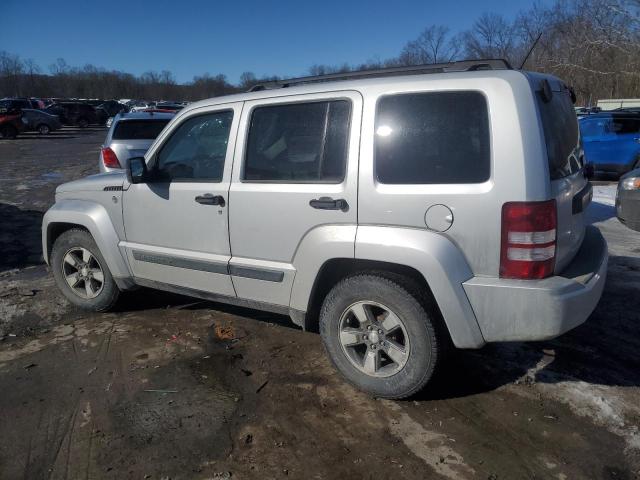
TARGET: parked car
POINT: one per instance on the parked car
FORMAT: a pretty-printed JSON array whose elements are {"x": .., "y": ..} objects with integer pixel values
[
  {"x": 611, "y": 142},
  {"x": 39, "y": 121},
  {"x": 169, "y": 106},
  {"x": 78, "y": 114},
  {"x": 112, "y": 108},
  {"x": 130, "y": 135},
  {"x": 20, "y": 103},
  {"x": 628, "y": 199},
  {"x": 399, "y": 211},
  {"x": 11, "y": 123}
]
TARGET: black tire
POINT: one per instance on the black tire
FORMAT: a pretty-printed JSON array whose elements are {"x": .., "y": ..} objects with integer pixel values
[
  {"x": 83, "y": 122},
  {"x": 44, "y": 129},
  {"x": 404, "y": 298},
  {"x": 8, "y": 132},
  {"x": 78, "y": 238}
]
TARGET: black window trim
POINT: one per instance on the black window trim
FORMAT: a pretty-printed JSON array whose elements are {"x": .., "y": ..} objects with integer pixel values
[
  {"x": 377, "y": 181},
  {"x": 296, "y": 102},
  {"x": 153, "y": 162}
]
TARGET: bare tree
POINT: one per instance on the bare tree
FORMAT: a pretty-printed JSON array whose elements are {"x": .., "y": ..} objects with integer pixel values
[{"x": 433, "y": 45}]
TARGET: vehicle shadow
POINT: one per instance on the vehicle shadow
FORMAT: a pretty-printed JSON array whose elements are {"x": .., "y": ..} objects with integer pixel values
[
  {"x": 602, "y": 351},
  {"x": 20, "y": 238}
]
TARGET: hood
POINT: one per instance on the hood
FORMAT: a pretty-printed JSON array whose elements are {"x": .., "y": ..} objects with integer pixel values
[{"x": 93, "y": 183}]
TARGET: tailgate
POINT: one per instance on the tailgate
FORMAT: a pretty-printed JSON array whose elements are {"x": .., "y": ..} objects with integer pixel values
[{"x": 565, "y": 156}]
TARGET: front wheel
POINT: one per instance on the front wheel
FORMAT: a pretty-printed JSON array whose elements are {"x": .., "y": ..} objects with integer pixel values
[
  {"x": 43, "y": 129},
  {"x": 380, "y": 335},
  {"x": 81, "y": 272}
]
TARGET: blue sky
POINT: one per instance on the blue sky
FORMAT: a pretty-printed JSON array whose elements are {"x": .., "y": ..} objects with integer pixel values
[{"x": 191, "y": 37}]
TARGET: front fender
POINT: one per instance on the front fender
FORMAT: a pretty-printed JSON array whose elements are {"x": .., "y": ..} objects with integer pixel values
[
  {"x": 440, "y": 262},
  {"x": 95, "y": 218}
]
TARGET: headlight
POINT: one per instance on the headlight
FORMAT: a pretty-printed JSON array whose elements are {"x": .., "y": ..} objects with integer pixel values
[{"x": 631, "y": 183}]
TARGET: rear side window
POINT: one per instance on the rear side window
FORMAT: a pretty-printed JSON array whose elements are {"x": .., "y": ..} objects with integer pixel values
[
  {"x": 302, "y": 142},
  {"x": 138, "y": 129},
  {"x": 560, "y": 126},
  {"x": 434, "y": 137},
  {"x": 625, "y": 126}
]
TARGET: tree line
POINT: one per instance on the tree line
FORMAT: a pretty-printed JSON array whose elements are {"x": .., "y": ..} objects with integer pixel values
[{"x": 594, "y": 45}]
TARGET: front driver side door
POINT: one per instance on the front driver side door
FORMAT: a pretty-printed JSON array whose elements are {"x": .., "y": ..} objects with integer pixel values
[{"x": 177, "y": 224}]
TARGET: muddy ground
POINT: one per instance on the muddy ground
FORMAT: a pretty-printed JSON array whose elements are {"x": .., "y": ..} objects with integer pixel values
[{"x": 174, "y": 387}]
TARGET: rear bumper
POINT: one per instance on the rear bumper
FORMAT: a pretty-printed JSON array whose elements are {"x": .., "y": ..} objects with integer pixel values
[
  {"x": 612, "y": 168},
  {"x": 524, "y": 310}
]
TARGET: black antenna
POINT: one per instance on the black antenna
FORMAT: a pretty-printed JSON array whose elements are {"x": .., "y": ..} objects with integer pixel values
[{"x": 533, "y": 45}]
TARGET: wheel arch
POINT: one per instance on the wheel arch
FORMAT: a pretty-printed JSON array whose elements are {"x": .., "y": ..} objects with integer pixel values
[
  {"x": 89, "y": 216},
  {"x": 431, "y": 260}
]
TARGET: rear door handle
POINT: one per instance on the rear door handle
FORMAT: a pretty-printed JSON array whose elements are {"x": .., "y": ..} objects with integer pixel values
[
  {"x": 328, "y": 203},
  {"x": 210, "y": 199}
]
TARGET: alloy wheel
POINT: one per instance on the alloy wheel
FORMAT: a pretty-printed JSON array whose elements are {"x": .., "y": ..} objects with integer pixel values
[
  {"x": 83, "y": 273},
  {"x": 374, "y": 338}
]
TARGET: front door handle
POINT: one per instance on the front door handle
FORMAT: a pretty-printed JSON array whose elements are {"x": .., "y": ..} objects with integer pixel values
[
  {"x": 328, "y": 203},
  {"x": 210, "y": 199}
]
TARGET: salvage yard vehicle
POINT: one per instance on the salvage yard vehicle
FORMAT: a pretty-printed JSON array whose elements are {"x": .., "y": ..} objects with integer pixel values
[
  {"x": 11, "y": 123},
  {"x": 612, "y": 141},
  {"x": 399, "y": 211},
  {"x": 39, "y": 121},
  {"x": 628, "y": 200},
  {"x": 130, "y": 135},
  {"x": 78, "y": 114}
]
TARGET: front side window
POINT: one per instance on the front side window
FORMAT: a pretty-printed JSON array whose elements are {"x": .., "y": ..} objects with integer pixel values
[
  {"x": 432, "y": 137},
  {"x": 303, "y": 142},
  {"x": 196, "y": 150}
]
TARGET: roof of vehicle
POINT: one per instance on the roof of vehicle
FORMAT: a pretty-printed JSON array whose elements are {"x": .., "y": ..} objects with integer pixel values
[
  {"x": 338, "y": 82},
  {"x": 143, "y": 116},
  {"x": 613, "y": 114}
]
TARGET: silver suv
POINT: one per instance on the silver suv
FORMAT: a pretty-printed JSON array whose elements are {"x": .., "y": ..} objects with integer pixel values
[
  {"x": 398, "y": 211},
  {"x": 130, "y": 135}
]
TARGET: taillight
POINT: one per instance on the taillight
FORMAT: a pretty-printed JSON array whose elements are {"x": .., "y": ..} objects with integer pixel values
[
  {"x": 528, "y": 246},
  {"x": 109, "y": 158}
]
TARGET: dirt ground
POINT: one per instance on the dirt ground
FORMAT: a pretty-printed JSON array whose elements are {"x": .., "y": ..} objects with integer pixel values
[{"x": 172, "y": 387}]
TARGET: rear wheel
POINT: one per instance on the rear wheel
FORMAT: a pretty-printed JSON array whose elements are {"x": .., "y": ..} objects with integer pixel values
[
  {"x": 8, "y": 131},
  {"x": 83, "y": 122},
  {"x": 379, "y": 334},
  {"x": 43, "y": 129},
  {"x": 81, "y": 272}
]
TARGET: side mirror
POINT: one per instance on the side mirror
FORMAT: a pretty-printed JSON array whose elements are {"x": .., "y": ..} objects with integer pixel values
[{"x": 137, "y": 170}]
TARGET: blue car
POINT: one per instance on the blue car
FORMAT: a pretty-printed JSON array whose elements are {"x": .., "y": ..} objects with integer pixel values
[{"x": 611, "y": 142}]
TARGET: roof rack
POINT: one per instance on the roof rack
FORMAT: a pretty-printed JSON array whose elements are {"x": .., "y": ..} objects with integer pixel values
[{"x": 459, "y": 66}]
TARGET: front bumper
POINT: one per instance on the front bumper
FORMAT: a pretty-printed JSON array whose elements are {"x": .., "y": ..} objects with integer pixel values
[
  {"x": 524, "y": 310},
  {"x": 628, "y": 208}
]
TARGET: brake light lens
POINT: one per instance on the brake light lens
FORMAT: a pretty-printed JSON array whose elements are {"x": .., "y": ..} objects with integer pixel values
[
  {"x": 528, "y": 246},
  {"x": 109, "y": 158}
]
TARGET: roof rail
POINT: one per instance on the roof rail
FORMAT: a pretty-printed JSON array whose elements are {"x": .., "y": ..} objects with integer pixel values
[{"x": 458, "y": 66}]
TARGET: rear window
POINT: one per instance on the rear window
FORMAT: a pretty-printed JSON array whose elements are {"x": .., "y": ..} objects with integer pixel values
[
  {"x": 138, "y": 129},
  {"x": 435, "y": 137},
  {"x": 560, "y": 126}
]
